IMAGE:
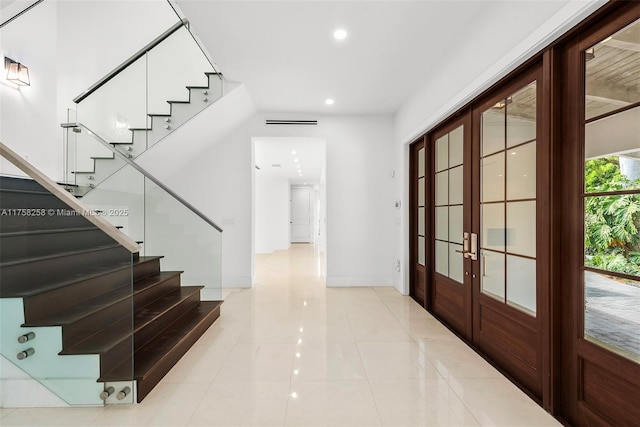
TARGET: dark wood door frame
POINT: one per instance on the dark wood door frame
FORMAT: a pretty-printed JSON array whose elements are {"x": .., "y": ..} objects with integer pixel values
[
  {"x": 596, "y": 387},
  {"x": 417, "y": 273}
]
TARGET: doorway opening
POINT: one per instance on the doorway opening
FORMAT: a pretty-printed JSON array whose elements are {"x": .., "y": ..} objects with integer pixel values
[{"x": 289, "y": 197}]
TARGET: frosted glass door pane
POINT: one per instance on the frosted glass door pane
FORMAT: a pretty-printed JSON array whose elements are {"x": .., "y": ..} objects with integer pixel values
[
  {"x": 492, "y": 131},
  {"x": 521, "y": 172},
  {"x": 456, "y": 263},
  {"x": 521, "y": 116},
  {"x": 442, "y": 188},
  {"x": 442, "y": 153},
  {"x": 421, "y": 192},
  {"x": 456, "y": 147},
  {"x": 521, "y": 283},
  {"x": 493, "y": 178},
  {"x": 420, "y": 162},
  {"x": 421, "y": 250},
  {"x": 442, "y": 258},
  {"x": 521, "y": 226},
  {"x": 492, "y": 272},
  {"x": 421, "y": 221},
  {"x": 442, "y": 223},
  {"x": 456, "y": 224},
  {"x": 456, "y": 185},
  {"x": 493, "y": 231}
]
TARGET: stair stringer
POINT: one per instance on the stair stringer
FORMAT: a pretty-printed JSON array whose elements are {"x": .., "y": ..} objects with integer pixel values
[
  {"x": 95, "y": 160},
  {"x": 199, "y": 134},
  {"x": 66, "y": 377}
]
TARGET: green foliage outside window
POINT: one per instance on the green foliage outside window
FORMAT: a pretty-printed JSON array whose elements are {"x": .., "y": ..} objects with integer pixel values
[{"x": 612, "y": 223}]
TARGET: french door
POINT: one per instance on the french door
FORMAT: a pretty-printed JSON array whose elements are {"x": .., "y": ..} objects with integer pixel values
[
  {"x": 510, "y": 215},
  {"x": 452, "y": 238},
  {"x": 488, "y": 234},
  {"x": 600, "y": 227}
]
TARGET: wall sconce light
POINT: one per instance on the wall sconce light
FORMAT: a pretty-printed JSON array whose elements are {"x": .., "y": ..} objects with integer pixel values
[{"x": 16, "y": 72}]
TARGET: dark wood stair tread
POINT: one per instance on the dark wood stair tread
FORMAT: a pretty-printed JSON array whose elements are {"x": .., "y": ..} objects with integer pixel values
[
  {"x": 104, "y": 340},
  {"x": 85, "y": 275},
  {"x": 150, "y": 357},
  {"x": 102, "y": 302}
]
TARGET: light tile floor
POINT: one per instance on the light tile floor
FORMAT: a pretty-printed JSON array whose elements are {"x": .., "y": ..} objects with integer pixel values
[{"x": 291, "y": 352}]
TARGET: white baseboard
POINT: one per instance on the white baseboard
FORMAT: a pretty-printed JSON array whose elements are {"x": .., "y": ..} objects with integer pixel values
[
  {"x": 355, "y": 281},
  {"x": 236, "y": 282}
]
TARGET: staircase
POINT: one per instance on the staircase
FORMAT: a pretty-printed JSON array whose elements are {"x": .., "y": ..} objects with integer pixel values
[
  {"x": 72, "y": 278},
  {"x": 102, "y": 162}
]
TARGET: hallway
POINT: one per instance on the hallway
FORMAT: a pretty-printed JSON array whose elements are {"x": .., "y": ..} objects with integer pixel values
[{"x": 292, "y": 352}]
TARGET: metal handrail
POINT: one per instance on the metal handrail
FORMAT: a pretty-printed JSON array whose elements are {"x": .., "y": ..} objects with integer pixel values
[
  {"x": 22, "y": 12},
  {"x": 145, "y": 173},
  {"x": 130, "y": 61}
]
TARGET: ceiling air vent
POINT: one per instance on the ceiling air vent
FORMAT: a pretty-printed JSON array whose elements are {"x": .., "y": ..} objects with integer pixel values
[
  {"x": 276, "y": 165},
  {"x": 292, "y": 122}
]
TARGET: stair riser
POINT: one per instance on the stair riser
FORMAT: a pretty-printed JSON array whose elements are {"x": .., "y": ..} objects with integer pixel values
[
  {"x": 13, "y": 248},
  {"x": 158, "y": 291},
  {"x": 26, "y": 275},
  {"x": 8, "y": 183},
  {"x": 144, "y": 335},
  {"x": 46, "y": 212},
  {"x": 102, "y": 169},
  {"x": 42, "y": 305},
  {"x": 146, "y": 269},
  {"x": 87, "y": 326},
  {"x": 30, "y": 200},
  {"x": 150, "y": 381},
  {"x": 121, "y": 353}
]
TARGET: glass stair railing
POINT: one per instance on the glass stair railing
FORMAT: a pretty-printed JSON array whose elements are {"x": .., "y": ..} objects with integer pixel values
[
  {"x": 90, "y": 320},
  {"x": 92, "y": 316},
  {"x": 156, "y": 217},
  {"x": 140, "y": 103},
  {"x": 61, "y": 270}
]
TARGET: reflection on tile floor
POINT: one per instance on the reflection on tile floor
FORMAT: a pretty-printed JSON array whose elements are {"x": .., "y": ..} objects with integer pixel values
[{"x": 292, "y": 352}]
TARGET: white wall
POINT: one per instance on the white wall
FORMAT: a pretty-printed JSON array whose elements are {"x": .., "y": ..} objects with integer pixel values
[
  {"x": 28, "y": 122},
  {"x": 67, "y": 45},
  {"x": 359, "y": 193},
  {"x": 271, "y": 214}
]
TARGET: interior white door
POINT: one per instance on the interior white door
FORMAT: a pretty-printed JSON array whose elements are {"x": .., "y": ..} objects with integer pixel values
[{"x": 300, "y": 215}]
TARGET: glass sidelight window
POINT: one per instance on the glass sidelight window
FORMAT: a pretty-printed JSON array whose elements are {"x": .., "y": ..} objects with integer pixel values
[
  {"x": 508, "y": 200},
  {"x": 421, "y": 206},
  {"x": 449, "y": 175},
  {"x": 612, "y": 193}
]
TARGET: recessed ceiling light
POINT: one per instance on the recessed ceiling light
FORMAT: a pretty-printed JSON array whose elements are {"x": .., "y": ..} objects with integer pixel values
[
  {"x": 329, "y": 101},
  {"x": 293, "y": 152},
  {"x": 296, "y": 160},
  {"x": 340, "y": 34}
]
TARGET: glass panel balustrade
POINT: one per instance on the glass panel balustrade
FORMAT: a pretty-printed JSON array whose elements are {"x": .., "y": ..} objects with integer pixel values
[{"x": 143, "y": 101}]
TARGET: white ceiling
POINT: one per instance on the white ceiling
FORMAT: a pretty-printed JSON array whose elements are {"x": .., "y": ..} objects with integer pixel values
[
  {"x": 286, "y": 55},
  {"x": 310, "y": 153}
]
